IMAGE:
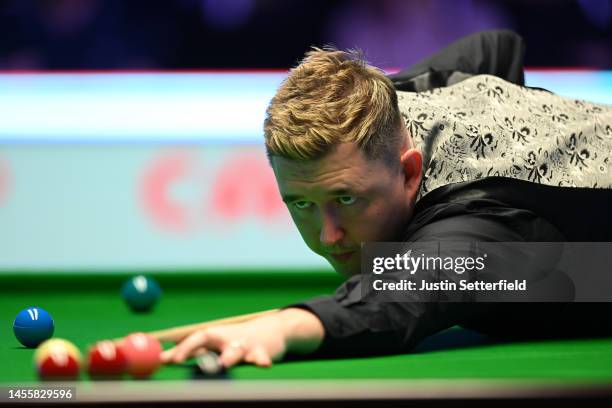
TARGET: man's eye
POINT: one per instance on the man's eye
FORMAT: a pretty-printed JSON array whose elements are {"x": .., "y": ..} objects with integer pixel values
[
  {"x": 302, "y": 205},
  {"x": 347, "y": 200}
]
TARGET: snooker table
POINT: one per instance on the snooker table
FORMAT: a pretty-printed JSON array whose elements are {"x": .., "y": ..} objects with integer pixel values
[{"x": 455, "y": 366}]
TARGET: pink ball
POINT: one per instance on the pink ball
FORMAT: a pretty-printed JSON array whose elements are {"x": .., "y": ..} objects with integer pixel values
[{"x": 142, "y": 352}]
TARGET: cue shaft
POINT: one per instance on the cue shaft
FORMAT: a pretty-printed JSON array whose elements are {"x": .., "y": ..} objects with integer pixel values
[{"x": 176, "y": 334}]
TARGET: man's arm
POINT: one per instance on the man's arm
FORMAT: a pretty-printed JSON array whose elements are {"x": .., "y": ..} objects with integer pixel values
[
  {"x": 344, "y": 325},
  {"x": 354, "y": 327},
  {"x": 260, "y": 341}
]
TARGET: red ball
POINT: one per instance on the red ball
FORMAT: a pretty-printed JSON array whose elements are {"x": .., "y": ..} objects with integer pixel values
[
  {"x": 106, "y": 360},
  {"x": 57, "y": 359},
  {"x": 143, "y": 354}
]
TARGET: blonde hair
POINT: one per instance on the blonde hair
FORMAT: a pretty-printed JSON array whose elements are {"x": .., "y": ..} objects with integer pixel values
[{"x": 332, "y": 97}]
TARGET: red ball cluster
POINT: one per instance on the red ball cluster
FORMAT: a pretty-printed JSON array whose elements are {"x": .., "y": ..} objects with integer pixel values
[{"x": 138, "y": 355}]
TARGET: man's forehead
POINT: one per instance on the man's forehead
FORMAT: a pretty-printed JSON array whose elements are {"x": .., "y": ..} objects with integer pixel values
[{"x": 345, "y": 160}]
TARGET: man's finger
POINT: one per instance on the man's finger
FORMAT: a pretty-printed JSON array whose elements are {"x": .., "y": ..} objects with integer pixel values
[
  {"x": 232, "y": 353},
  {"x": 166, "y": 356},
  {"x": 259, "y": 356},
  {"x": 249, "y": 358},
  {"x": 183, "y": 350},
  {"x": 199, "y": 351}
]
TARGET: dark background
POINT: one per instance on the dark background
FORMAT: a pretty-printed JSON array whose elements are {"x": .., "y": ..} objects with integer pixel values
[{"x": 269, "y": 34}]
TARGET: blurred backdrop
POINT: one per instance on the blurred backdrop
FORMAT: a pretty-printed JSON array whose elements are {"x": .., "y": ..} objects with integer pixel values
[
  {"x": 130, "y": 130},
  {"x": 202, "y": 34}
]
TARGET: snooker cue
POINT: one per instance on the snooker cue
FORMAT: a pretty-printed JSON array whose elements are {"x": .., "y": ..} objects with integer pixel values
[{"x": 176, "y": 334}]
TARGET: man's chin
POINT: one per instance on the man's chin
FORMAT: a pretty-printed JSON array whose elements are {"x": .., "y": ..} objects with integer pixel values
[{"x": 345, "y": 270}]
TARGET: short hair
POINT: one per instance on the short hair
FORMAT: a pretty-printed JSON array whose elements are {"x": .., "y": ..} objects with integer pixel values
[{"x": 332, "y": 97}]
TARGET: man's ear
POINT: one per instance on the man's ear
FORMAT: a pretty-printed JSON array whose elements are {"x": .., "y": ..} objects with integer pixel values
[{"x": 412, "y": 165}]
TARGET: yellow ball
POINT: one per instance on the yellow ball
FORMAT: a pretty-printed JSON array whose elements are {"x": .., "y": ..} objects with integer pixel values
[{"x": 56, "y": 356}]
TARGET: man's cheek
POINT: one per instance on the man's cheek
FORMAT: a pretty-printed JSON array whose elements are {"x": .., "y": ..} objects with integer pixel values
[{"x": 309, "y": 238}]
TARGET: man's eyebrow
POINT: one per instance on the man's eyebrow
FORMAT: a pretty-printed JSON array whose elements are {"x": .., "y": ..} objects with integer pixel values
[
  {"x": 291, "y": 197},
  {"x": 336, "y": 192},
  {"x": 342, "y": 191}
]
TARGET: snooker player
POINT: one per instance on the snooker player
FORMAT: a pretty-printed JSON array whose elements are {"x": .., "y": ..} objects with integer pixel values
[{"x": 455, "y": 148}]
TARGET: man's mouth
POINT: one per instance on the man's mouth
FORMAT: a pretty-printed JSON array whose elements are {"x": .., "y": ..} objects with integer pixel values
[{"x": 343, "y": 256}]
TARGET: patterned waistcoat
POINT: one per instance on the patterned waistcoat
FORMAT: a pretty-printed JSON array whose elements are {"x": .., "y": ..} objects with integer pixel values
[{"x": 485, "y": 126}]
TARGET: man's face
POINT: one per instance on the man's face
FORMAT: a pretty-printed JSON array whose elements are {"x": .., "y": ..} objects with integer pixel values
[{"x": 343, "y": 199}]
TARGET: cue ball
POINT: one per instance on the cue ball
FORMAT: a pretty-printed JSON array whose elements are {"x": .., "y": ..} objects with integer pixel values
[
  {"x": 57, "y": 359},
  {"x": 32, "y": 326},
  {"x": 141, "y": 293},
  {"x": 142, "y": 352},
  {"x": 106, "y": 359},
  {"x": 209, "y": 365}
]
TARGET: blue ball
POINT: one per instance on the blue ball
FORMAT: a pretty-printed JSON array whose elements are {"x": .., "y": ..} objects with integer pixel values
[
  {"x": 141, "y": 293},
  {"x": 32, "y": 326}
]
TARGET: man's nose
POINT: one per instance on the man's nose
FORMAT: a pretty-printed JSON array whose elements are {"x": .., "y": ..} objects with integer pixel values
[{"x": 331, "y": 231}]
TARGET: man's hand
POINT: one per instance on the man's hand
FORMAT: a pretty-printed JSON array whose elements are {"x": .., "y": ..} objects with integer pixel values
[{"x": 260, "y": 341}]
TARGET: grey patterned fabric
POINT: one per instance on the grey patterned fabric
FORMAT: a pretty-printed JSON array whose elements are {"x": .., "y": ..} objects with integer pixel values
[{"x": 485, "y": 126}]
